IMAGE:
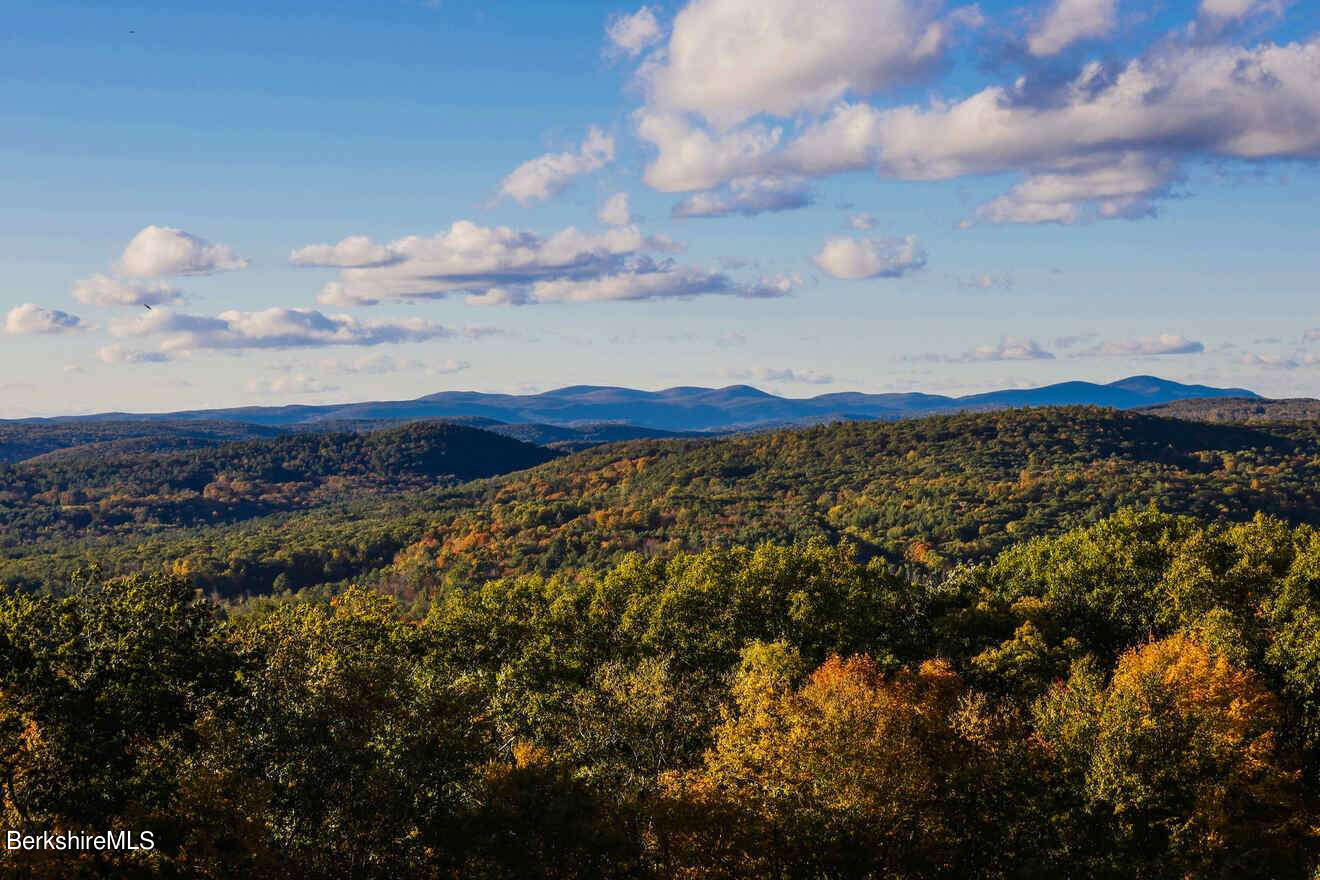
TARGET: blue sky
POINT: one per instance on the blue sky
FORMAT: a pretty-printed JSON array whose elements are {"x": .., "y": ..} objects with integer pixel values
[{"x": 850, "y": 194}]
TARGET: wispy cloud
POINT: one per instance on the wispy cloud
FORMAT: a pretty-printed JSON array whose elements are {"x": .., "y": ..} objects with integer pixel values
[{"x": 1164, "y": 344}]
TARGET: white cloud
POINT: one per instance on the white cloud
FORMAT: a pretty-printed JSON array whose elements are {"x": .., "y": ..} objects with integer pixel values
[
  {"x": 858, "y": 258},
  {"x": 501, "y": 266},
  {"x": 31, "y": 318},
  {"x": 631, "y": 34},
  {"x": 159, "y": 251},
  {"x": 291, "y": 383},
  {"x": 747, "y": 196},
  {"x": 547, "y": 175},
  {"x": 1009, "y": 350},
  {"x": 1278, "y": 362},
  {"x": 728, "y": 60},
  {"x": 616, "y": 210},
  {"x": 862, "y": 222},
  {"x": 356, "y": 250},
  {"x": 117, "y": 354},
  {"x": 472, "y": 259},
  {"x": 1165, "y": 343},
  {"x": 691, "y": 158},
  {"x": 1120, "y": 188},
  {"x": 1069, "y": 21},
  {"x": 1102, "y": 145},
  {"x": 103, "y": 290},
  {"x": 273, "y": 328}
]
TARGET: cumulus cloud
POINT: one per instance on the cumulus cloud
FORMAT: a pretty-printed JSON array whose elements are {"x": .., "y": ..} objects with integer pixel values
[
  {"x": 501, "y": 266},
  {"x": 545, "y": 176},
  {"x": 354, "y": 251},
  {"x": 858, "y": 258},
  {"x": 631, "y": 34},
  {"x": 30, "y": 318},
  {"x": 616, "y": 211},
  {"x": 104, "y": 290},
  {"x": 160, "y": 251},
  {"x": 747, "y": 196},
  {"x": 1100, "y": 145},
  {"x": 1121, "y": 188},
  {"x": 273, "y": 328},
  {"x": 118, "y": 354},
  {"x": 472, "y": 259},
  {"x": 1069, "y": 21},
  {"x": 1010, "y": 350},
  {"x": 728, "y": 60},
  {"x": 1165, "y": 343}
]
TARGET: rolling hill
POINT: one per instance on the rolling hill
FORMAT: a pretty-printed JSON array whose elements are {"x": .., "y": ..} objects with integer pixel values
[
  {"x": 114, "y": 487},
  {"x": 685, "y": 409},
  {"x": 927, "y": 493}
]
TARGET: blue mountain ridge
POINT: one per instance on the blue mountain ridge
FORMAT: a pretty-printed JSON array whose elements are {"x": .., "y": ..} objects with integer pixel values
[{"x": 736, "y": 407}]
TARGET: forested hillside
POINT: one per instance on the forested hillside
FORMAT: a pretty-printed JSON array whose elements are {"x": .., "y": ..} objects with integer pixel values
[
  {"x": 930, "y": 491},
  {"x": 27, "y": 440},
  {"x": 924, "y": 493},
  {"x": 84, "y": 492},
  {"x": 1241, "y": 409}
]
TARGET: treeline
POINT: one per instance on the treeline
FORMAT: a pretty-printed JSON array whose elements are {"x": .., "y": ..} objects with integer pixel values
[
  {"x": 94, "y": 492},
  {"x": 1137, "y": 698}
]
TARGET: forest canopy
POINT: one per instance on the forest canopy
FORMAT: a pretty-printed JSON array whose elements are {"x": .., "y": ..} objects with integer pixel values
[{"x": 1016, "y": 644}]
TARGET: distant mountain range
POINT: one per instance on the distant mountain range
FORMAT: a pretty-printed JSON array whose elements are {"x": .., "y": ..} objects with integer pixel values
[{"x": 683, "y": 409}]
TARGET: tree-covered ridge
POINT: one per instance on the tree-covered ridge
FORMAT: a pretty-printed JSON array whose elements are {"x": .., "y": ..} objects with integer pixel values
[
  {"x": 137, "y": 492},
  {"x": 930, "y": 491},
  {"x": 1137, "y": 698},
  {"x": 1241, "y": 409},
  {"x": 925, "y": 493},
  {"x": 23, "y": 440}
]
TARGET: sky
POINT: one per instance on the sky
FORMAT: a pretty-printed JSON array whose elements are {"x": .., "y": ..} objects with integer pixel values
[{"x": 207, "y": 205}]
